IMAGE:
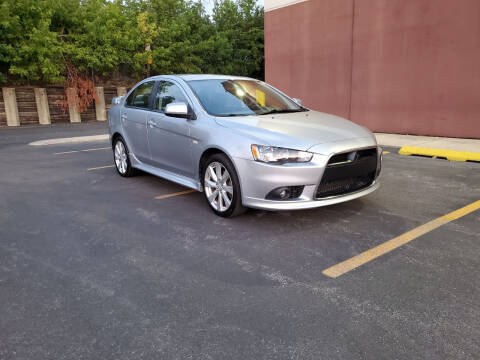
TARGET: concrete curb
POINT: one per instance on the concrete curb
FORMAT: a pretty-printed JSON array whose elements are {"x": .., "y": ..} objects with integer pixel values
[
  {"x": 70, "y": 140},
  {"x": 452, "y": 155},
  {"x": 429, "y": 142}
]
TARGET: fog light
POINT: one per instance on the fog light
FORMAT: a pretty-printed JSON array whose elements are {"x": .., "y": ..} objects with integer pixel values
[{"x": 285, "y": 193}]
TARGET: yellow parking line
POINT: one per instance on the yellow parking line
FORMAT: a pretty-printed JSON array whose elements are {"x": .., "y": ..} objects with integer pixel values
[
  {"x": 86, "y": 150},
  {"x": 101, "y": 167},
  {"x": 386, "y": 152},
  {"x": 394, "y": 243},
  {"x": 160, "y": 197}
]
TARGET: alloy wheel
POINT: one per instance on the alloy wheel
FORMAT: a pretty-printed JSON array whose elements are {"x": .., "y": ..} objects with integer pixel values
[
  {"x": 120, "y": 157},
  {"x": 218, "y": 186}
]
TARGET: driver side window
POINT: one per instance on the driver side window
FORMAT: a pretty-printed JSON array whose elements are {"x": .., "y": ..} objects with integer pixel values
[
  {"x": 141, "y": 95},
  {"x": 167, "y": 92}
]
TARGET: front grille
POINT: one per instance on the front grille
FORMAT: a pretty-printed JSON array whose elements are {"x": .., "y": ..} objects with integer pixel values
[
  {"x": 344, "y": 186},
  {"x": 348, "y": 172}
]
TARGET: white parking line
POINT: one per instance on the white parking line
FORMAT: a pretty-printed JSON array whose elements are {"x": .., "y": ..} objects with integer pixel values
[
  {"x": 71, "y": 140},
  {"x": 101, "y": 167},
  {"x": 86, "y": 150}
]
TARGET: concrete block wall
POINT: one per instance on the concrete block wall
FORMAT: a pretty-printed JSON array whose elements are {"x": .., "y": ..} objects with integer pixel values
[{"x": 28, "y": 105}]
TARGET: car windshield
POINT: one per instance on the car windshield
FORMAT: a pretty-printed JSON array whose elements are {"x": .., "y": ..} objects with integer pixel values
[{"x": 221, "y": 97}]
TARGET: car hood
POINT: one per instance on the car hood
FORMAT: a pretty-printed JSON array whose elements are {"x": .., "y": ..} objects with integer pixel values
[{"x": 300, "y": 131}]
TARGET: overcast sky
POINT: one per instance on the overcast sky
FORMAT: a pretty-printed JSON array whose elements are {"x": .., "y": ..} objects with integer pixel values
[{"x": 209, "y": 4}]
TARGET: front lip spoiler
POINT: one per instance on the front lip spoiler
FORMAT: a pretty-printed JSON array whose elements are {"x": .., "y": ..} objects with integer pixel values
[{"x": 308, "y": 204}]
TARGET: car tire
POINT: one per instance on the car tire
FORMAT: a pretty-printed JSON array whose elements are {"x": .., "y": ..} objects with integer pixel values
[
  {"x": 222, "y": 195},
  {"x": 121, "y": 158}
]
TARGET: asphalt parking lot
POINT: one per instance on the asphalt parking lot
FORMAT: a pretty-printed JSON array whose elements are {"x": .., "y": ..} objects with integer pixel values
[{"x": 95, "y": 266}]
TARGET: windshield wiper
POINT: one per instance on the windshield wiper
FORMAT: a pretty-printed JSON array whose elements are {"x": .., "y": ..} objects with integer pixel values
[
  {"x": 233, "y": 114},
  {"x": 276, "y": 111}
]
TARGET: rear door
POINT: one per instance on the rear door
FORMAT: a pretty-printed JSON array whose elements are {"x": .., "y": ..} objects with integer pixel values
[
  {"x": 134, "y": 120},
  {"x": 169, "y": 137}
]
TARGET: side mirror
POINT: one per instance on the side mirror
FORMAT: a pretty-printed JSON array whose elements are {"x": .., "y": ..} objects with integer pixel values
[
  {"x": 178, "y": 109},
  {"x": 117, "y": 100},
  {"x": 298, "y": 101}
]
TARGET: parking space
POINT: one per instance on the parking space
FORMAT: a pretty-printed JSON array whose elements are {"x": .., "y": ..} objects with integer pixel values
[{"x": 107, "y": 267}]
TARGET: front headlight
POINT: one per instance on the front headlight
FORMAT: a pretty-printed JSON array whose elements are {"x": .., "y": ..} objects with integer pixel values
[{"x": 277, "y": 155}]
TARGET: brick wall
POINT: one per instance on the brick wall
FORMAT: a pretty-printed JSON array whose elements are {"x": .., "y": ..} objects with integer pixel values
[{"x": 395, "y": 66}]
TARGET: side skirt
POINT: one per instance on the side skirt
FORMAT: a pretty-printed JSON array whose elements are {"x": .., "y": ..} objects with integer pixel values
[{"x": 168, "y": 175}]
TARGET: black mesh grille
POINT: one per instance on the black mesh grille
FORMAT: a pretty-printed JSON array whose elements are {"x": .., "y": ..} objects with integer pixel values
[
  {"x": 345, "y": 186},
  {"x": 296, "y": 191},
  {"x": 348, "y": 172}
]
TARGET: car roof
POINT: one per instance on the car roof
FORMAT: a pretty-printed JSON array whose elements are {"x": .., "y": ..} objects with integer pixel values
[{"x": 192, "y": 77}]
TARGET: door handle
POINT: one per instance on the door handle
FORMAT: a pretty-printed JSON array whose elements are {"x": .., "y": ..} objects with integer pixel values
[
  {"x": 123, "y": 117},
  {"x": 151, "y": 123}
]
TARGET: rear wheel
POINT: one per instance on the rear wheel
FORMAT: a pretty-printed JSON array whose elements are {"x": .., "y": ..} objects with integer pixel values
[
  {"x": 222, "y": 187},
  {"x": 122, "y": 161}
]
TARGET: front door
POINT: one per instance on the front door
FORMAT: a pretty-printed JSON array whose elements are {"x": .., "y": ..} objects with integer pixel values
[
  {"x": 169, "y": 137},
  {"x": 134, "y": 120}
]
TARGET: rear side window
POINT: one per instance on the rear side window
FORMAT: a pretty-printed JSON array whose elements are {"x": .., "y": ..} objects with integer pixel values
[
  {"x": 168, "y": 93},
  {"x": 141, "y": 95}
]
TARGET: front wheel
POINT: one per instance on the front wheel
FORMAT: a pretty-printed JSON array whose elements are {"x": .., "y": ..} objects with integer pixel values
[
  {"x": 120, "y": 156},
  {"x": 222, "y": 187}
]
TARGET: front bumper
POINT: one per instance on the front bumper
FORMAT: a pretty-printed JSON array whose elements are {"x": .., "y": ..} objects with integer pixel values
[
  {"x": 258, "y": 179},
  {"x": 306, "y": 204}
]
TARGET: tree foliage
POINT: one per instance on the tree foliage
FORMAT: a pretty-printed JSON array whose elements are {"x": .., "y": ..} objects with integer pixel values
[{"x": 41, "y": 39}]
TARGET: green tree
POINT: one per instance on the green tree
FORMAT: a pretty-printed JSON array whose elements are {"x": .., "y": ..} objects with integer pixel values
[
  {"x": 29, "y": 49},
  {"x": 240, "y": 24},
  {"x": 41, "y": 39},
  {"x": 100, "y": 38}
]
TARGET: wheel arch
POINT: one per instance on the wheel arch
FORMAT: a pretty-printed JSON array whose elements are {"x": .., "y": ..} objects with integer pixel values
[
  {"x": 115, "y": 136},
  {"x": 209, "y": 152}
]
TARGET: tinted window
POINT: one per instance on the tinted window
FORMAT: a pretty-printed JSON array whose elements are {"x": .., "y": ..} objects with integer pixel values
[
  {"x": 241, "y": 97},
  {"x": 140, "y": 96},
  {"x": 168, "y": 93}
]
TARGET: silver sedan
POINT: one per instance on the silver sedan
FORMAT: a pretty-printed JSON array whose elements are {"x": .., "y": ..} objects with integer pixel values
[{"x": 242, "y": 143}]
